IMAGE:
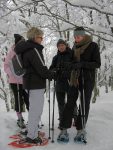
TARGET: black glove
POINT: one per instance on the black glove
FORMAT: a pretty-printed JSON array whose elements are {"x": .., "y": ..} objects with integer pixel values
[
  {"x": 57, "y": 74},
  {"x": 53, "y": 74}
]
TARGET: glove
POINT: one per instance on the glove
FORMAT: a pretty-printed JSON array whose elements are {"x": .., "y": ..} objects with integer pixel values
[
  {"x": 58, "y": 74},
  {"x": 53, "y": 74}
]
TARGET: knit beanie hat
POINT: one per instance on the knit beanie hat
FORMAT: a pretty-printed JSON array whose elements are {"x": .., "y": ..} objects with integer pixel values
[
  {"x": 18, "y": 38},
  {"x": 61, "y": 41},
  {"x": 79, "y": 31}
]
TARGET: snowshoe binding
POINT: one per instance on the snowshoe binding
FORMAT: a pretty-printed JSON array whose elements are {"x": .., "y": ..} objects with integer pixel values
[
  {"x": 81, "y": 137},
  {"x": 63, "y": 137}
]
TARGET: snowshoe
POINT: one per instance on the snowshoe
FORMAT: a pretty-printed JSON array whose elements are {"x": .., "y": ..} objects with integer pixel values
[
  {"x": 63, "y": 137},
  {"x": 81, "y": 137},
  {"x": 23, "y": 134},
  {"x": 27, "y": 142},
  {"x": 37, "y": 140},
  {"x": 15, "y": 136}
]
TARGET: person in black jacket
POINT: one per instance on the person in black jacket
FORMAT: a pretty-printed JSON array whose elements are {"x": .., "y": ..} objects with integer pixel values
[
  {"x": 34, "y": 80},
  {"x": 86, "y": 59},
  {"x": 63, "y": 55}
]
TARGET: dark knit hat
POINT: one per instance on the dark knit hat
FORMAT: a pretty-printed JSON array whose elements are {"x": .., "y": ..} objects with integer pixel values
[
  {"x": 18, "y": 37},
  {"x": 61, "y": 41},
  {"x": 79, "y": 31}
]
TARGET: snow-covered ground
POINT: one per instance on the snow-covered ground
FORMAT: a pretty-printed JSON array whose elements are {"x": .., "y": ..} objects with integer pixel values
[{"x": 99, "y": 126}]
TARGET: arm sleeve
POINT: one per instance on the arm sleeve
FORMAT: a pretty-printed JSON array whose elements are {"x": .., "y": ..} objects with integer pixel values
[
  {"x": 53, "y": 64},
  {"x": 7, "y": 63},
  {"x": 96, "y": 60},
  {"x": 40, "y": 69}
]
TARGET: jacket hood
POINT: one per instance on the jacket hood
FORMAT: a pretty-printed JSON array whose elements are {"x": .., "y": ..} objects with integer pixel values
[{"x": 25, "y": 46}]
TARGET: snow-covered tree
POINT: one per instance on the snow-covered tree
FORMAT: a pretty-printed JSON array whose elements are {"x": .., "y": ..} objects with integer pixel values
[{"x": 58, "y": 19}]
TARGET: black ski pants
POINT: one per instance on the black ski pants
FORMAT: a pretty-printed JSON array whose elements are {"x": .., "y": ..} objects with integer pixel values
[
  {"x": 85, "y": 92},
  {"x": 61, "y": 102},
  {"x": 20, "y": 97}
]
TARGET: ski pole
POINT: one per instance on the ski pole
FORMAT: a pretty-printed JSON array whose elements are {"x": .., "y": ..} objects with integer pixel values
[
  {"x": 82, "y": 103},
  {"x": 49, "y": 107},
  {"x": 53, "y": 114},
  {"x": 19, "y": 101},
  {"x": 18, "y": 97},
  {"x": 84, "y": 111}
]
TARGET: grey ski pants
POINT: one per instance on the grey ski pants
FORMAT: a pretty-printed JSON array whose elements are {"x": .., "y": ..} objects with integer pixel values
[{"x": 36, "y": 100}]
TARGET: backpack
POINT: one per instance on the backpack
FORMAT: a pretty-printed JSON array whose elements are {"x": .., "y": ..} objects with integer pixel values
[{"x": 16, "y": 66}]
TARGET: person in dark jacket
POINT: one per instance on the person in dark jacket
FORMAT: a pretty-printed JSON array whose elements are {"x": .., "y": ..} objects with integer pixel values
[
  {"x": 34, "y": 80},
  {"x": 86, "y": 58},
  {"x": 63, "y": 55}
]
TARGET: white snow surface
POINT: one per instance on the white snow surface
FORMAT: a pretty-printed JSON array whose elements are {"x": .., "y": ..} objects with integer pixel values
[{"x": 99, "y": 127}]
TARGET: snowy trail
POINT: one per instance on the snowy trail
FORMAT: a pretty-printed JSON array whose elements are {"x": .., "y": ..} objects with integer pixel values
[{"x": 99, "y": 127}]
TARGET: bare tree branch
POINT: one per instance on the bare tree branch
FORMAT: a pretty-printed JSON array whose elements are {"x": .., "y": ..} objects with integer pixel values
[
  {"x": 26, "y": 4},
  {"x": 89, "y": 7},
  {"x": 89, "y": 30},
  {"x": 26, "y": 23}
]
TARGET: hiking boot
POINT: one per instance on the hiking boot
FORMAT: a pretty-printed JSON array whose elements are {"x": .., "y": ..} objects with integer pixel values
[
  {"x": 24, "y": 132},
  {"x": 37, "y": 140},
  {"x": 81, "y": 135},
  {"x": 63, "y": 136},
  {"x": 20, "y": 123}
]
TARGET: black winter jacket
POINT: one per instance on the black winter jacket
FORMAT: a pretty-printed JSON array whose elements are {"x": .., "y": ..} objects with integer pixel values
[
  {"x": 57, "y": 63},
  {"x": 90, "y": 60},
  {"x": 36, "y": 72}
]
